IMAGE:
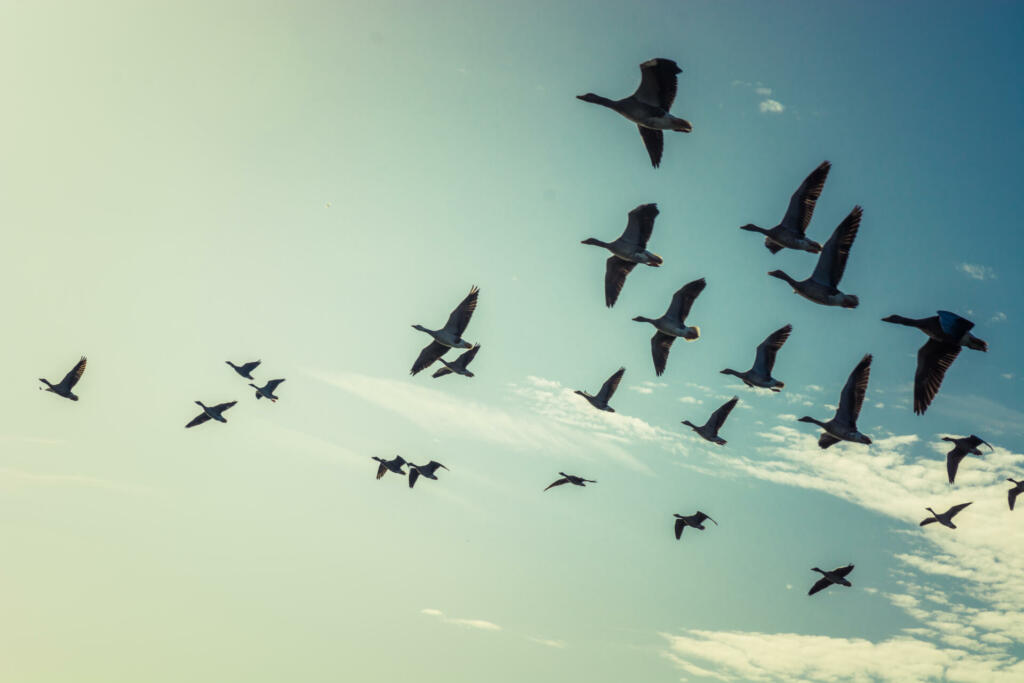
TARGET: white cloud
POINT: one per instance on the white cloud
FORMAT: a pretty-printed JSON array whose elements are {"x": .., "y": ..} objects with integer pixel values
[
  {"x": 770, "y": 106},
  {"x": 977, "y": 271},
  {"x": 478, "y": 624},
  {"x": 999, "y": 317},
  {"x": 691, "y": 399},
  {"x": 763, "y": 91},
  {"x": 560, "y": 644},
  {"x": 640, "y": 389}
]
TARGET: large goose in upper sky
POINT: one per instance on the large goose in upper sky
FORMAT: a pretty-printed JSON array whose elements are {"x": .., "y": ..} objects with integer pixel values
[
  {"x": 648, "y": 106},
  {"x": 390, "y": 466},
  {"x": 267, "y": 391},
  {"x": 673, "y": 323},
  {"x": 428, "y": 470},
  {"x": 961, "y": 448},
  {"x": 944, "y": 518},
  {"x": 822, "y": 287},
  {"x": 64, "y": 387},
  {"x": 709, "y": 430},
  {"x": 948, "y": 333},
  {"x": 836, "y": 576},
  {"x": 696, "y": 520},
  {"x": 607, "y": 391},
  {"x": 210, "y": 413},
  {"x": 245, "y": 369},
  {"x": 628, "y": 250},
  {"x": 843, "y": 427},
  {"x": 449, "y": 336},
  {"x": 760, "y": 375},
  {"x": 790, "y": 232},
  {"x": 570, "y": 479}
]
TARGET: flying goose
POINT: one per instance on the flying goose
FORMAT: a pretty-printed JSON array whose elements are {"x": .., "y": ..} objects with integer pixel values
[
  {"x": 961, "y": 447},
  {"x": 695, "y": 520},
  {"x": 709, "y": 430},
  {"x": 843, "y": 427},
  {"x": 628, "y": 250},
  {"x": 459, "y": 366},
  {"x": 390, "y": 465},
  {"x": 947, "y": 334},
  {"x": 570, "y": 479},
  {"x": 673, "y": 323},
  {"x": 760, "y": 375},
  {"x": 828, "y": 578},
  {"x": 1018, "y": 487},
  {"x": 426, "y": 470},
  {"x": 210, "y": 413},
  {"x": 267, "y": 391},
  {"x": 822, "y": 287},
  {"x": 449, "y": 336},
  {"x": 648, "y": 106},
  {"x": 945, "y": 518},
  {"x": 790, "y": 232},
  {"x": 64, "y": 387},
  {"x": 607, "y": 391},
  {"x": 245, "y": 369}
]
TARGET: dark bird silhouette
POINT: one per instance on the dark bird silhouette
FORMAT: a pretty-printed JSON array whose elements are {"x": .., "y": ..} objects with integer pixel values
[
  {"x": 791, "y": 231},
  {"x": 843, "y": 427},
  {"x": 449, "y": 336},
  {"x": 709, "y": 430},
  {"x": 570, "y": 479},
  {"x": 390, "y": 466},
  {"x": 673, "y": 323},
  {"x": 836, "y": 576},
  {"x": 628, "y": 250},
  {"x": 210, "y": 413},
  {"x": 428, "y": 471},
  {"x": 944, "y": 518},
  {"x": 695, "y": 520},
  {"x": 961, "y": 448},
  {"x": 245, "y": 369},
  {"x": 459, "y": 366},
  {"x": 1018, "y": 487},
  {"x": 64, "y": 387},
  {"x": 607, "y": 391},
  {"x": 822, "y": 287},
  {"x": 267, "y": 391},
  {"x": 760, "y": 374}
]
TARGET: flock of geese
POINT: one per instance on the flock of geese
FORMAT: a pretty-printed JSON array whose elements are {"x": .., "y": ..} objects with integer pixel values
[{"x": 648, "y": 107}]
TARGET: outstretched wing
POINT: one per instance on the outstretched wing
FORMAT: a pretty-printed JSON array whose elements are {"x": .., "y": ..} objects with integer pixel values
[
  {"x": 558, "y": 482},
  {"x": 832, "y": 260},
  {"x": 953, "y": 459},
  {"x": 459, "y": 318},
  {"x": 441, "y": 373},
  {"x": 467, "y": 357},
  {"x": 820, "y": 584},
  {"x": 661, "y": 344},
  {"x": 933, "y": 359},
  {"x": 221, "y": 407},
  {"x": 953, "y": 511},
  {"x": 826, "y": 440},
  {"x": 764, "y": 360},
  {"x": 658, "y": 83},
  {"x": 680, "y": 525},
  {"x": 428, "y": 355},
  {"x": 975, "y": 441},
  {"x": 381, "y": 470},
  {"x": 683, "y": 300},
  {"x": 198, "y": 420},
  {"x": 841, "y": 572},
  {"x": 273, "y": 384},
  {"x": 856, "y": 387},
  {"x": 614, "y": 277},
  {"x": 610, "y": 385},
  {"x": 249, "y": 367},
  {"x": 654, "y": 141},
  {"x": 432, "y": 466},
  {"x": 928, "y": 521},
  {"x": 414, "y": 474},
  {"x": 773, "y": 247},
  {"x": 954, "y": 325},
  {"x": 1012, "y": 496},
  {"x": 639, "y": 226},
  {"x": 701, "y": 517},
  {"x": 718, "y": 417},
  {"x": 75, "y": 374},
  {"x": 803, "y": 201}
]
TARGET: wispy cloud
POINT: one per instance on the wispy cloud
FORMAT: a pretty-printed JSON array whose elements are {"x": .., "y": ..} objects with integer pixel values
[
  {"x": 560, "y": 644},
  {"x": 977, "y": 271},
  {"x": 999, "y": 317},
  {"x": 14, "y": 477},
  {"x": 478, "y": 624}
]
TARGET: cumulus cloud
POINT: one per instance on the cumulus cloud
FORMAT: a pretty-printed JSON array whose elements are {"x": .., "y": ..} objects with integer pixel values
[
  {"x": 770, "y": 106},
  {"x": 977, "y": 271}
]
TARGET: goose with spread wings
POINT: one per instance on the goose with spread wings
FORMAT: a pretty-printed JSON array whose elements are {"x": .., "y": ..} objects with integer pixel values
[
  {"x": 673, "y": 324},
  {"x": 760, "y": 375},
  {"x": 210, "y": 413},
  {"x": 791, "y": 232},
  {"x": 267, "y": 391},
  {"x": 822, "y": 287},
  {"x": 600, "y": 401},
  {"x": 449, "y": 336},
  {"x": 695, "y": 520},
  {"x": 386, "y": 466},
  {"x": 628, "y": 250},
  {"x": 944, "y": 518},
  {"x": 834, "y": 577},
  {"x": 961, "y": 449},
  {"x": 1018, "y": 488},
  {"x": 570, "y": 479},
  {"x": 709, "y": 430},
  {"x": 64, "y": 387},
  {"x": 648, "y": 107},
  {"x": 947, "y": 334},
  {"x": 428, "y": 471},
  {"x": 459, "y": 366},
  {"x": 843, "y": 427},
  {"x": 245, "y": 369}
]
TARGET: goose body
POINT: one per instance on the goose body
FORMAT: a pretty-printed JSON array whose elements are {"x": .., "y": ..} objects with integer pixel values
[
  {"x": 386, "y": 466},
  {"x": 822, "y": 287},
  {"x": 570, "y": 479},
  {"x": 267, "y": 390},
  {"x": 695, "y": 520},
  {"x": 210, "y": 413},
  {"x": 449, "y": 336},
  {"x": 760, "y": 374},
  {"x": 843, "y": 427},
  {"x": 64, "y": 387},
  {"x": 428, "y": 471},
  {"x": 944, "y": 518},
  {"x": 629, "y": 249},
  {"x": 649, "y": 106},
  {"x": 1018, "y": 488},
  {"x": 790, "y": 233},
  {"x": 600, "y": 401},
  {"x": 961, "y": 449},
  {"x": 673, "y": 324},
  {"x": 459, "y": 366},
  {"x": 836, "y": 576},
  {"x": 709, "y": 430},
  {"x": 245, "y": 369}
]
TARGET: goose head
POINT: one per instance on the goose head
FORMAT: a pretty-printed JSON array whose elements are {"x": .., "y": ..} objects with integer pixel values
[
  {"x": 815, "y": 569},
  {"x": 782, "y": 276},
  {"x": 594, "y": 242},
  {"x": 729, "y": 371},
  {"x": 807, "y": 418},
  {"x": 594, "y": 99},
  {"x": 931, "y": 511},
  {"x": 420, "y": 328},
  {"x": 642, "y": 319},
  {"x": 750, "y": 227}
]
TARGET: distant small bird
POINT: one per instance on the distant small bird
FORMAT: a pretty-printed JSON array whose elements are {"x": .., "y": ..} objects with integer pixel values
[
  {"x": 390, "y": 466},
  {"x": 822, "y": 287},
  {"x": 961, "y": 448},
  {"x": 570, "y": 479},
  {"x": 843, "y": 427},
  {"x": 648, "y": 106},
  {"x": 791, "y": 231},
  {"x": 449, "y": 336},
  {"x": 607, "y": 391},
  {"x": 64, "y": 387},
  {"x": 267, "y": 391},
  {"x": 210, "y": 413},
  {"x": 673, "y": 323},
  {"x": 836, "y": 576},
  {"x": 459, "y": 366},
  {"x": 427, "y": 471},
  {"x": 1018, "y": 488},
  {"x": 695, "y": 520},
  {"x": 709, "y": 430},
  {"x": 245, "y": 369},
  {"x": 760, "y": 374},
  {"x": 628, "y": 250},
  {"x": 944, "y": 518},
  {"x": 947, "y": 334}
]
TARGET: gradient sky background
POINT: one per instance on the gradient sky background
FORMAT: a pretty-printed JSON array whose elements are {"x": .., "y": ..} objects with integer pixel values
[{"x": 190, "y": 182}]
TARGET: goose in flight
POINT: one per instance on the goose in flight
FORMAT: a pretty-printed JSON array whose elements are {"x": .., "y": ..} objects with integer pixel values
[
  {"x": 449, "y": 336},
  {"x": 695, "y": 520},
  {"x": 570, "y": 479},
  {"x": 607, "y": 391},
  {"x": 760, "y": 375},
  {"x": 945, "y": 518},
  {"x": 459, "y": 366},
  {"x": 267, "y": 391},
  {"x": 427, "y": 471},
  {"x": 245, "y": 369},
  {"x": 961, "y": 448},
  {"x": 210, "y": 413},
  {"x": 843, "y": 427},
  {"x": 822, "y": 287},
  {"x": 791, "y": 231},
  {"x": 64, "y": 387},
  {"x": 390, "y": 465},
  {"x": 947, "y": 334},
  {"x": 836, "y": 576},
  {"x": 648, "y": 106},
  {"x": 628, "y": 250},
  {"x": 1018, "y": 487},
  {"x": 673, "y": 323},
  {"x": 709, "y": 430}
]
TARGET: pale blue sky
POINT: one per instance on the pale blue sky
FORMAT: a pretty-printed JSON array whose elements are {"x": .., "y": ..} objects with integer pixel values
[{"x": 186, "y": 183}]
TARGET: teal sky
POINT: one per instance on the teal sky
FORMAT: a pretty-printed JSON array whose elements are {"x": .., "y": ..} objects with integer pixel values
[{"x": 186, "y": 183}]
